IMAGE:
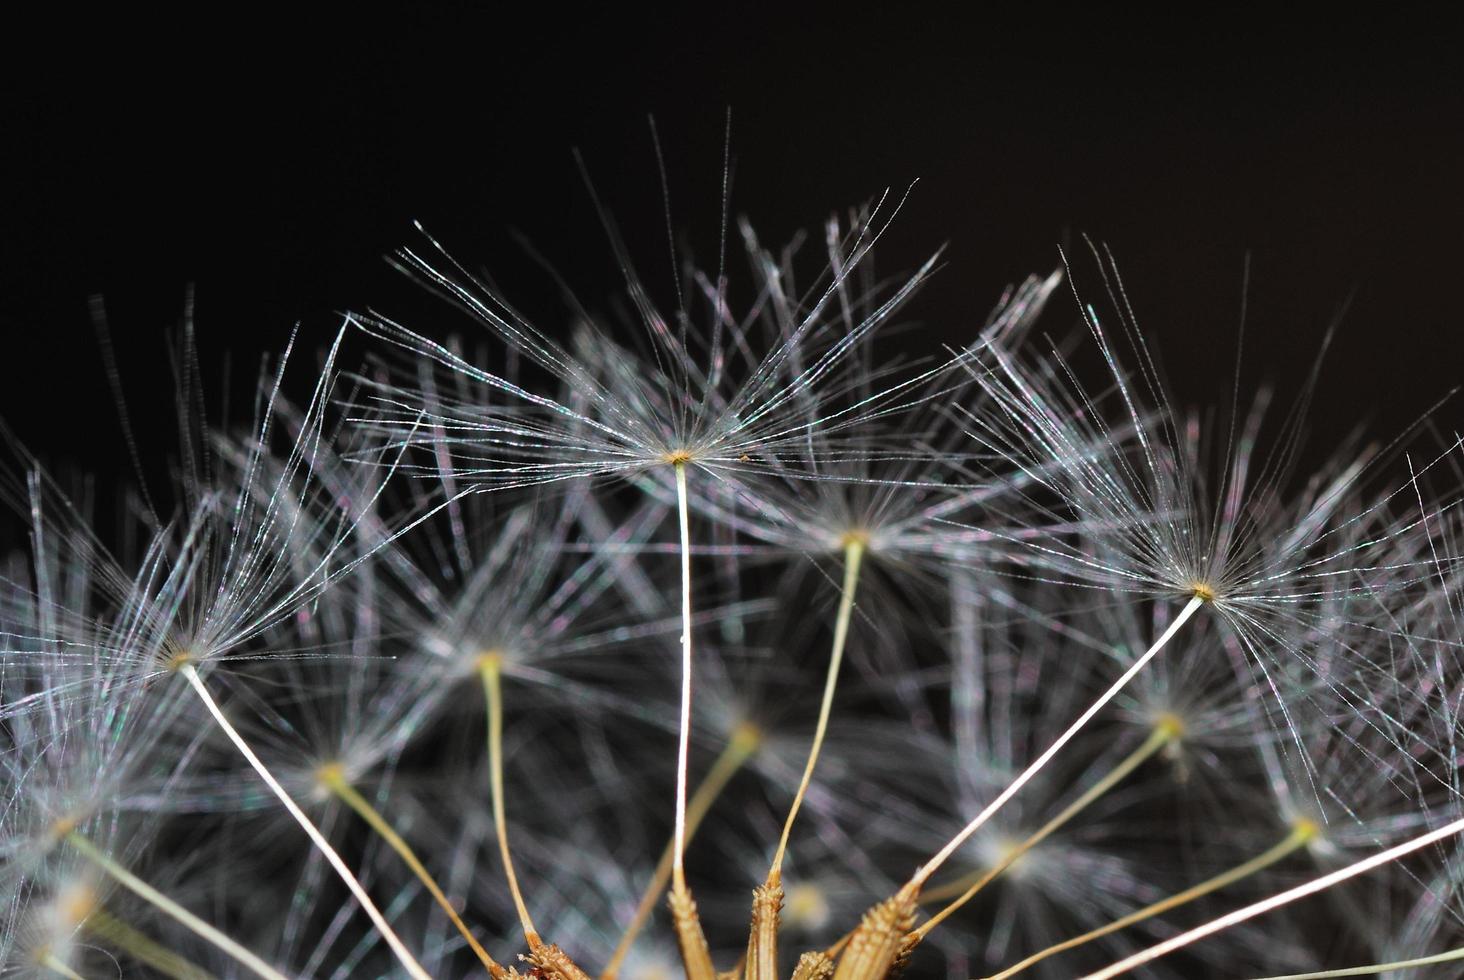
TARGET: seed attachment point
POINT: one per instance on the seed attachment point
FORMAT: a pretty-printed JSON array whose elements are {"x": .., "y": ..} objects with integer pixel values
[
  {"x": 1170, "y": 725},
  {"x": 331, "y": 775},
  {"x": 1203, "y": 591},
  {"x": 747, "y": 737},
  {"x": 63, "y": 827},
  {"x": 1306, "y": 829},
  {"x": 78, "y": 904}
]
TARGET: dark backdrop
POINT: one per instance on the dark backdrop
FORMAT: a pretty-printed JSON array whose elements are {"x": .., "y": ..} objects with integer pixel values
[{"x": 270, "y": 161}]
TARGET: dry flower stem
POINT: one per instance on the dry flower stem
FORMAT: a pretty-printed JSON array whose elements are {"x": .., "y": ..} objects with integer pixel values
[
  {"x": 317, "y": 838},
  {"x": 744, "y": 743},
  {"x": 490, "y": 665},
  {"x": 334, "y": 780},
  {"x": 853, "y": 557},
  {"x": 119, "y": 935},
  {"x": 1276, "y": 901},
  {"x": 1163, "y": 734},
  {"x": 171, "y": 908},
  {"x": 1303, "y": 833},
  {"x": 1376, "y": 968},
  {"x": 933, "y": 865}
]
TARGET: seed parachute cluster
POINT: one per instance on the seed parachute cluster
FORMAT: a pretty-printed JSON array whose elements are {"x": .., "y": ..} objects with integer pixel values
[{"x": 722, "y": 636}]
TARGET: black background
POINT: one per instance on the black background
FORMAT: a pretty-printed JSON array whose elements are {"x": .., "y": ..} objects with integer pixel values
[{"x": 270, "y": 161}]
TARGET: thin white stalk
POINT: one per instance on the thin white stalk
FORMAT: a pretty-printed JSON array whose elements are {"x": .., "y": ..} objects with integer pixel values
[
  {"x": 853, "y": 556},
  {"x": 317, "y": 838},
  {"x": 683, "y": 747},
  {"x": 1279, "y": 899},
  {"x": 171, "y": 908},
  {"x": 1375, "y": 968},
  {"x": 1015, "y": 786}
]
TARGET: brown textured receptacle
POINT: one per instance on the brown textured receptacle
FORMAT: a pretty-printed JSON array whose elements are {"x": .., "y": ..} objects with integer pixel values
[
  {"x": 815, "y": 965},
  {"x": 696, "y": 957},
  {"x": 762, "y": 939},
  {"x": 873, "y": 948},
  {"x": 902, "y": 956},
  {"x": 553, "y": 963}
]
